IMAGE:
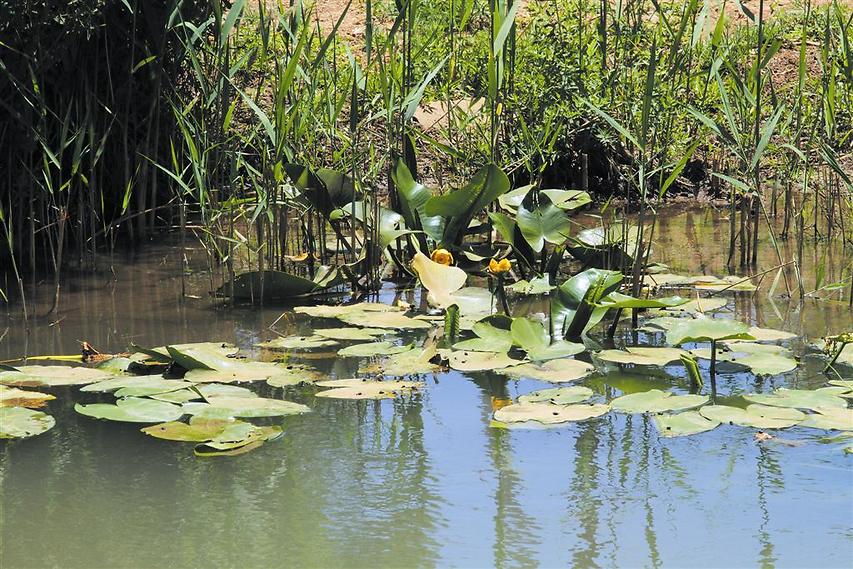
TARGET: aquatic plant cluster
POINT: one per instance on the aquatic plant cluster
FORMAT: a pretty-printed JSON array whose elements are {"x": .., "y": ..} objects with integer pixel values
[
  {"x": 302, "y": 152},
  {"x": 399, "y": 348}
]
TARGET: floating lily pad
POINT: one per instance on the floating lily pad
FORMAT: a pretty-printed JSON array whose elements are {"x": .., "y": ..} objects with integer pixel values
[
  {"x": 656, "y": 401},
  {"x": 762, "y": 359},
  {"x": 554, "y": 371},
  {"x": 12, "y": 397},
  {"x": 494, "y": 335},
  {"x": 366, "y": 389},
  {"x": 758, "y": 416},
  {"x": 298, "y": 343},
  {"x": 373, "y": 349},
  {"x": 237, "y": 439},
  {"x": 351, "y": 333},
  {"x": 204, "y": 391},
  {"x": 700, "y": 305},
  {"x": 132, "y": 410},
  {"x": 643, "y": 356},
  {"x": 479, "y": 361},
  {"x": 548, "y": 413},
  {"x": 199, "y": 429},
  {"x": 706, "y": 330},
  {"x": 19, "y": 422},
  {"x": 830, "y": 418},
  {"x": 558, "y": 395},
  {"x": 226, "y": 407},
  {"x": 410, "y": 362},
  {"x": 537, "y": 285},
  {"x": 392, "y": 320},
  {"x": 200, "y": 355},
  {"x": 51, "y": 376},
  {"x": 279, "y": 374},
  {"x": 532, "y": 337},
  {"x": 683, "y": 424},
  {"x": 769, "y": 335},
  {"x": 798, "y": 399},
  {"x": 323, "y": 311},
  {"x": 660, "y": 324}
]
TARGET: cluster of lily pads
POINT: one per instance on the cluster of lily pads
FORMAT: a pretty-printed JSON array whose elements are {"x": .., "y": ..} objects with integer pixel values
[{"x": 188, "y": 392}]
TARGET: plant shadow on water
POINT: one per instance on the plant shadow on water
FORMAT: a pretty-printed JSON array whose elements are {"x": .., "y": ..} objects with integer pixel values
[{"x": 422, "y": 479}]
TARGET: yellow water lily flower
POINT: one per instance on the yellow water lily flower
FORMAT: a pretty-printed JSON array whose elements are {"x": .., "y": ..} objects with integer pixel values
[
  {"x": 442, "y": 257},
  {"x": 501, "y": 266}
]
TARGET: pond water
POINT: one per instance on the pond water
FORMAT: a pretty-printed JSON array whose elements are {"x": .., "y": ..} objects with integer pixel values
[{"x": 423, "y": 480}]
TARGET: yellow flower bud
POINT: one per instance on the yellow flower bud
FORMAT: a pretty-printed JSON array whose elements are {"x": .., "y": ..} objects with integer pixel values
[
  {"x": 442, "y": 257},
  {"x": 501, "y": 266}
]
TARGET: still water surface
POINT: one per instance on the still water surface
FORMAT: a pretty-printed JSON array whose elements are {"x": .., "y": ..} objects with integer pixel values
[{"x": 418, "y": 482}]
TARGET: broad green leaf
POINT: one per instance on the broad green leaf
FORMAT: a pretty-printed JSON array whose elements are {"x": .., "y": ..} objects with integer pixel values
[
  {"x": 545, "y": 223},
  {"x": 537, "y": 285},
  {"x": 413, "y": 198},
  {"x": 573, "y": 308},
  {"x": 568, "y": 199},
  {"x": 199, "y": 429},
  {"x": 19, "y": 422},
  {"x": 410, "y": 362},
  {"x": 757, "y": 416},
  {"x": 830, "y": 418},
  {"x": 367, "y": 389},
  {"x": 761, "y": 359},
  {"x": 619, "y": 300},
  {"x": 558, "y": 395},
  {"x": 298, "y": 343},
  {"x": 553, "y": 371},
  {"x": 244, "y": 407},
  {"x": 390, "y": 320},
  {"x": 707, "y": 330},
  {"x": 479, "y": 361},
  {"x": 656, "y": 401},
  {"x": 683, "y": 424},
  {"x": 548, "y": 413},
  {"x": 643, "y": 356},
  {"x": 12, "y": 397},
  {"x": 351, "y": 333},
  {"x": 132, "y": 410},
  {"x": 373, "y": 349},
  {"x": 798, "y": 399},
  {"x": 52, "y": 376}
]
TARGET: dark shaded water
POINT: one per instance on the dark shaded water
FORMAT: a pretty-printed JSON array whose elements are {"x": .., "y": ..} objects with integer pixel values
[{"x": 422, "y": 481}]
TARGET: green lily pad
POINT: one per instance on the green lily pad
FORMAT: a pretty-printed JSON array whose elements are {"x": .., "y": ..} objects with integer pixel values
[
  {"x": 660, "y": 324},
  {"x": 373, "y": 349},
  {"x": 798, "y": 399},
  {"x": 683, "y": 424},
  {"x": 391, "y": 320},
  {"x": 351, "y": 333},
  {"x": 548, "y": 413},
  {"x": 642, "y": 356},
  {"x": 707, "y": 330},
  {"x": 558, "y": 395},
  {"x": 619, "y": 300},
  {"x": 762, "y": 359},
  {"x": 226, "y": 407},
  {"x": 700, "y": 305},
  {"x": 758, "y": 416},
  {"x": 52, "y": 376},
  {"x": 532, "y": 337},
  {"x": 494, "y": 335},
  {"x": 553, "y": 371},
  {"x": 279, "y": 374},
  {"x": 298, "y": 343},
  {"x": 537, "y": 285},
  {"x": 410, "y": 362},
  {"x": 830, "y": 418},
  {"x": 199, "y": 429},
  {"x": 366, "y": 389},
  {"x": 19, "y": 422},
  {"x": 769, "y": 335},
  {"x": 201, "y": 355},
  {"x": 294, "y": 374},
  {"x": 656, "y": 401},
  {"x": 12, "y": 397},
  {"x": 206, "y": 391},
  {"x": 237, "y": 439},
  {"x": 479, "y": 361},
  {"x": 132, "y": 410}
]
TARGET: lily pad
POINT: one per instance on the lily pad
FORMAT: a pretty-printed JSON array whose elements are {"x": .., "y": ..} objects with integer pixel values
[
  {"x": 761, "y": 359},
  {"x": 204, "y": 391},
  {"x": 548, "y": 413},
  {"x": 700, "y": 305},
  {"x": 19, "y": 422},
  {"x": 553, "y": 371},
  {"x": 237, "y": 439},
  {"x": 326, "y": 311},
  {"x": 279, "y": 374},
  {"x": 226, "y": 407},
  {"x": 769, "y": 335},
  {"x": 410, "y": 362},
  {"x": 830, "y": 418},
  {"x": 798, "y": 399},
  {"x": 52, "y": 376},
  {"x": 656, "y": 401},
  {"x": 373, "y": 349},
  {"x": 535, "y": 286},
  {"x": 298, "y": 343},
  {"x": 132, "y": 410},
  {"x": 558, "y": 395},
  {"x": 683, "y": 424},
  {"x": 494, "y": 335},
  {"x": 532, "y": 337},
  {"x": 707, "y": 330},
  {"x": 366, "y": 389},
  {"x": 199, "y": 429},
  {"x": 758, "y": 416},
  {"x": 12, "y": 397},
  {"x": 351, "y": 333},
  {"x": 392, "y": 320},
  {"x": 479, "y": 361},
  {"x": 642, "y": 356}
]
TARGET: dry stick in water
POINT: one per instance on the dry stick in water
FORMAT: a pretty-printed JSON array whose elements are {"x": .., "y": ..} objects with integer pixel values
[{"x": 761, "y": 274}]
